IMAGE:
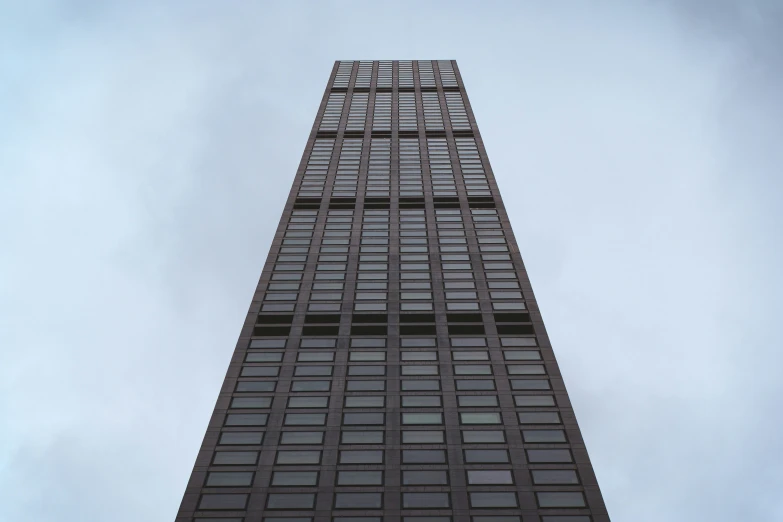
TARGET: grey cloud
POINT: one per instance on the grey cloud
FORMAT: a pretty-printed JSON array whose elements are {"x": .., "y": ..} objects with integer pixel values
[{"x": 146, "y": 151}]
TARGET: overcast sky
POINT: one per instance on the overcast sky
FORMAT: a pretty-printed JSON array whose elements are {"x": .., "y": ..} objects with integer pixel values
[{"x": 146, "y": 150}]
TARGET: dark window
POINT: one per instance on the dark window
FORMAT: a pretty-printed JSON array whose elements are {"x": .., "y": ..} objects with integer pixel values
[
  {"x": 429, "y": 500},
  {"x": 556, "y": 499},
  {"x": 369, "y": 419},
  {"x": 476, "y": 401},
  {"x": 544, "y": 436},
  {"x": 421, "y": 401},
  {"x": 305, "y": 419},
  {"x": 308, "y": 402},
  {"x": 539, "y": 417},
  {"x": 299, "y": 457},
  {"x": 235, "y": 458},
  {"x": 241, "y": 437},
  {"x": 423, "y": 457},
  {"x": 494, "y": 499},
  {"x": 223, "y": 502},
  {"x": 309, "y": 371},
  {"x": 422, "y": 437},
  {"x": 484, "y": 437},
  {"x": 475, "y": 385},
  {"x": 408, "y": 385},
  {"x": 354, "y": 385},
  {"x": 489, "y": 477},
  {"x": 256, "y": 386},
  {"x": 425, "y": 478},
  {"x": 291, "y": 501},
  {"x": 302, "y": 437},
  {"x": 358, "y": 501},
  {"x": 360, "y": 478},
  {"x": 246, "y": 419},
  {"x": 295, "y": 478},
  {"x": 476, "y": 456},
  {"x": 362, "y": 437},
  {"x": 310, "y": 386},
  {"x": 361, "y": 457},
  {"x": 549, "y": 455},
  {"x": 365, "y": 401},
  {"x": 229, "y": 478},
  {"x": 554, "y": 476},
  {"x": 534, "y": 400}
]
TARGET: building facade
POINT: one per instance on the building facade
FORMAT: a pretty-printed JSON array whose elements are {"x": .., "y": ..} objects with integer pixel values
[{"x": 393, "y": 366}]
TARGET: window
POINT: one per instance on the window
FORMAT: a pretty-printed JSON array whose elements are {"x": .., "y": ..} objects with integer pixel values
[
  {"x": 246, "y": 419},
  {"x": 479, "y": 418},
  {"x": 302, "y": 437},
  {"x": 530, "y": 384},
  {"x": 539, "y": 417},
  {"x": 522, "y": 355},
  {"x": 477, "y": 401},
  {"x": 229, "y": 478},
  {"x": 490, "y": 477},
  {"x": 256, "y": 386},
  {"x": 421, "y": 401},
  {"x": 483, "y": 437},
  {"x": 360, "y": 478},
  {"x": 354, "y": 385},
  {"x": 365, "y": 401},
  {"x": 298, "y": 457},
  {"x": 554, "y": 476},
  {"x": 534, "y": 400},
  {"x": 407, "y": 385},
  {"x": 362, "y": 437},
  {"x": 251, "y": 402},
  {"x": 475, "y": 385},
  {"x": 408, "y": 370},
  {"x": 470, "y": 356},
  {"x": 549, "y": 455},
  {"x": 422, "y": 437},
  {"x": 305, "y": 419},
  {"x": 425, "y": 478},
  {"x": 308, "y": 402},
  {"x": 369, "y": 419},
  {"x": 367, "y": 356},
  {"x": 419, "y": 356},
  {"x": 366, "y": 370},
  {"x": 315, "y": 357},
  {"x": 223, "y": 501},
  {"x": 422, "y": 418},
  {"x": 260, "y": 371},
  {"x": 358, "y": 501},
  {"x": 543, "y": 436},
  {"x": 557, "y": 499},
  {"x": 235, "y": 458},
  {"x": 423, "y": 457},
  {"x": 361, "y": 457},
  {"x": 493, "y": 499},
  {"x": 310, "y": 386},
  {"x": 291, "y": 501},
  {"x": 477, "y": 456},
  {"x": 264, "y": 357},
  {"x": 565, "y": 518},
  {"x": 295, "y": 478},
  {"x": 244, "y": 438},
  {"x": 526, "y": 369},
  {"x": 472, "y": 369},
  {"x": 430, "y": 500},
  {"x": 312, "y": 371}
]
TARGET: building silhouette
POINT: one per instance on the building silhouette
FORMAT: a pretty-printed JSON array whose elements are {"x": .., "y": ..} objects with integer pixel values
[{"x": 393, "y": 363}]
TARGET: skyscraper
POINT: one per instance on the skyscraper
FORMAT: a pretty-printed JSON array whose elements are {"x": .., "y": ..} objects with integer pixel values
[{"x": 393, "y": 366}]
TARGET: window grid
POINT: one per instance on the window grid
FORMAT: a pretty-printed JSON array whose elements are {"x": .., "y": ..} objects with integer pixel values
[{"x": 393, "y": 364}]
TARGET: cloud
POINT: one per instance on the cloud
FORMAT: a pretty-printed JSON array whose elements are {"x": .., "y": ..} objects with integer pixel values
[{"x": 146, "y": 151}]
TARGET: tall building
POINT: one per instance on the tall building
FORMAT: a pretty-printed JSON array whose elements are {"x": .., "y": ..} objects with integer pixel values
[{"x": 393, "y": 362}]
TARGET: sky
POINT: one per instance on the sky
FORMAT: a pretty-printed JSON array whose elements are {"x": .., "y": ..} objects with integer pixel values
[{"x": 147, "y": 148}]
